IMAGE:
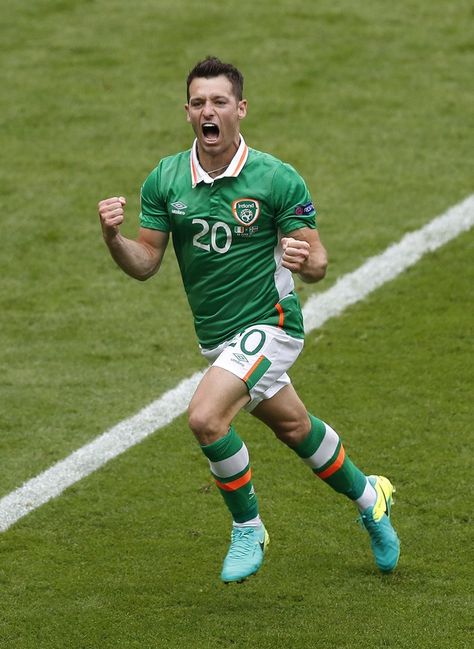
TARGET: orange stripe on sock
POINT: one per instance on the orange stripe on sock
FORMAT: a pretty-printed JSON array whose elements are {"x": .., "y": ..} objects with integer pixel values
[
  {"x": 235, "y": 484},
  {"x": 335, "y": 466},
  {"x": 253, "y": 368},
  {"x": 281, "y": 319}
]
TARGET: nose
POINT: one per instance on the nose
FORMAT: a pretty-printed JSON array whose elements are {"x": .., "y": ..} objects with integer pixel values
[{"x": 208, "y": 109}]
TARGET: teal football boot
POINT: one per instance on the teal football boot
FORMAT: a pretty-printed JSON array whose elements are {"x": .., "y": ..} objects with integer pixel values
[
  {"x": 376, "y": 520},
  {"x": 245, "y": 555}
]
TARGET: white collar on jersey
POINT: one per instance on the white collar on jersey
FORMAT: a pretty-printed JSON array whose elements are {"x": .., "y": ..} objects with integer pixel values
[{"x": 198, "y": 174}]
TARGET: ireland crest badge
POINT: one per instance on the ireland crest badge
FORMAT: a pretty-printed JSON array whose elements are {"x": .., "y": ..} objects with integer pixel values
[{"x": 246, "y": 210}]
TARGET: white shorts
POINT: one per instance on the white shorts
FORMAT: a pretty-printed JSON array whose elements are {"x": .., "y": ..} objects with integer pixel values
[{"x": 260, "y": 356}]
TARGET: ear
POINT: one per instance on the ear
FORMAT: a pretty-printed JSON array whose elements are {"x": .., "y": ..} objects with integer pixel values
[
  {"x": 242, "y": 108},
  {"x": 186, "y": 108}
]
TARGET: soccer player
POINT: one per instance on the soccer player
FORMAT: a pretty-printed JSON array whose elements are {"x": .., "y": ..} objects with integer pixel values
[{"x": 242, "y": 222}]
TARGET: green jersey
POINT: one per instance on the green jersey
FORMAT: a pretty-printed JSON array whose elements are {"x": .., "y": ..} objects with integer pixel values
[{"x": 226, "y": 234}]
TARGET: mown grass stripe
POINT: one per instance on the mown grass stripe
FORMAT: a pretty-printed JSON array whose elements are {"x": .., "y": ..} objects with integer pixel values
[{"x": 348, "y": 290}]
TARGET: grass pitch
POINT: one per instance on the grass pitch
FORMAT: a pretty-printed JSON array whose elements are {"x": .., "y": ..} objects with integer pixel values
[{"x": 371, "y": 103}]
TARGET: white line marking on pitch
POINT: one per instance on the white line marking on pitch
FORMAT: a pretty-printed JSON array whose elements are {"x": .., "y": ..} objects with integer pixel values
[{"x": 349, "y": 289}]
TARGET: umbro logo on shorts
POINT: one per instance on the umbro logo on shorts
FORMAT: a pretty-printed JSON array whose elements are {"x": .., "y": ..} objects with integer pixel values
[{"x": 239, "y": 358}]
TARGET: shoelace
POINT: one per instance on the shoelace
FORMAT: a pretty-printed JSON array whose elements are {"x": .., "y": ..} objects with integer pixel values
[
  {"x": 372, "y": 526},
  {"x": 241, "y": 542}
]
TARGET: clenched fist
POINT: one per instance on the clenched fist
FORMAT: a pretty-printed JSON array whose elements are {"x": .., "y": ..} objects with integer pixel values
[
  {"x": 295, "y": 254},
  {"x": 111, "y": 214}
]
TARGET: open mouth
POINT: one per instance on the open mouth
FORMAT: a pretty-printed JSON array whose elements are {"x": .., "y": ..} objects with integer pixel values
[{"x": 210, "y": 131}]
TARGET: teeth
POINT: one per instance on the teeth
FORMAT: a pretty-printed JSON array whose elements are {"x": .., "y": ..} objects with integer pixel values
[{"x": 210, "y": 130}]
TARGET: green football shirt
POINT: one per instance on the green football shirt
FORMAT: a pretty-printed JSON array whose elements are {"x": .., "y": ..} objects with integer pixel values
[{"x": 226, "y": 233}]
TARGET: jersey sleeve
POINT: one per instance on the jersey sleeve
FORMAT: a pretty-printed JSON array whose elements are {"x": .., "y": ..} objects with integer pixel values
[
  {"x": 293, "y": 206},
  {"x": 153, "y": 214}
]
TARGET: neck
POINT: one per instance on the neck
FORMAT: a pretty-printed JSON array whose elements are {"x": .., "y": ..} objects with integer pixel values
[
  {"x": 216, "y": 172},
  {"x": 216, "y": 165}
]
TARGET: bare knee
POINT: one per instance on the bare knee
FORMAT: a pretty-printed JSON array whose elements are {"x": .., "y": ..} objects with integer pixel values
[
  {"x": 206, "y": 427},
  {"x": 292, "y": 432}
]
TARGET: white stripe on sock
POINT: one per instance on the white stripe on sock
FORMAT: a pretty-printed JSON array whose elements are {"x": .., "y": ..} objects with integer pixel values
[
  {"x": 368, "y": 498},
  {"x": 231, "y": 465},
  {"x": 325, "y": 450},
  {"x": 253, "y": 522}
]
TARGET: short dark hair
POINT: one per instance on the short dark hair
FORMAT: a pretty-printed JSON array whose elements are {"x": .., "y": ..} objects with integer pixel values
[{"x": 210, "y": 67}]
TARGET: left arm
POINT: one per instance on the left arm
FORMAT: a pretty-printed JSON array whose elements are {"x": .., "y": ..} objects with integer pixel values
[{"x": 303, "y": 253}]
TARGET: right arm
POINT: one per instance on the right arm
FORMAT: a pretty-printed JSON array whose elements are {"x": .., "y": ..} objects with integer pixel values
[{"x": 141, "y": 257}]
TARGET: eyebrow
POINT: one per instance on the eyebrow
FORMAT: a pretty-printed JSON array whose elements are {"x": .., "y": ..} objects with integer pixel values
[{"x": 213, "y": 97}]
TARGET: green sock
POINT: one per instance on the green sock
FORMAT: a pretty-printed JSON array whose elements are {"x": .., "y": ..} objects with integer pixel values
[
  {"x": 323, "y": 451},
  {"x": 229, "y": 462}
]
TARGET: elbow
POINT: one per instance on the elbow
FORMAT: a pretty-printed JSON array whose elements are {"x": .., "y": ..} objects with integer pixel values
[
  {"x": 316, "y": 273},
  {"x": 322, "y": 269},
  {"x": 140, "y": 274},
  {"x": 144, "y": 276}
]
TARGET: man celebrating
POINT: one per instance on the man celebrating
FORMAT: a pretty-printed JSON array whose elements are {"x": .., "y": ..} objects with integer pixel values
[{"x": 242, "y": 222}]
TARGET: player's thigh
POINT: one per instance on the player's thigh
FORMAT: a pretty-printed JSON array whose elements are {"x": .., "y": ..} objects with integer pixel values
[
  {"x": 260, "y": 356},
  {"x": 217, "y": 399},
  {"x": 286, "y": 415}
]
